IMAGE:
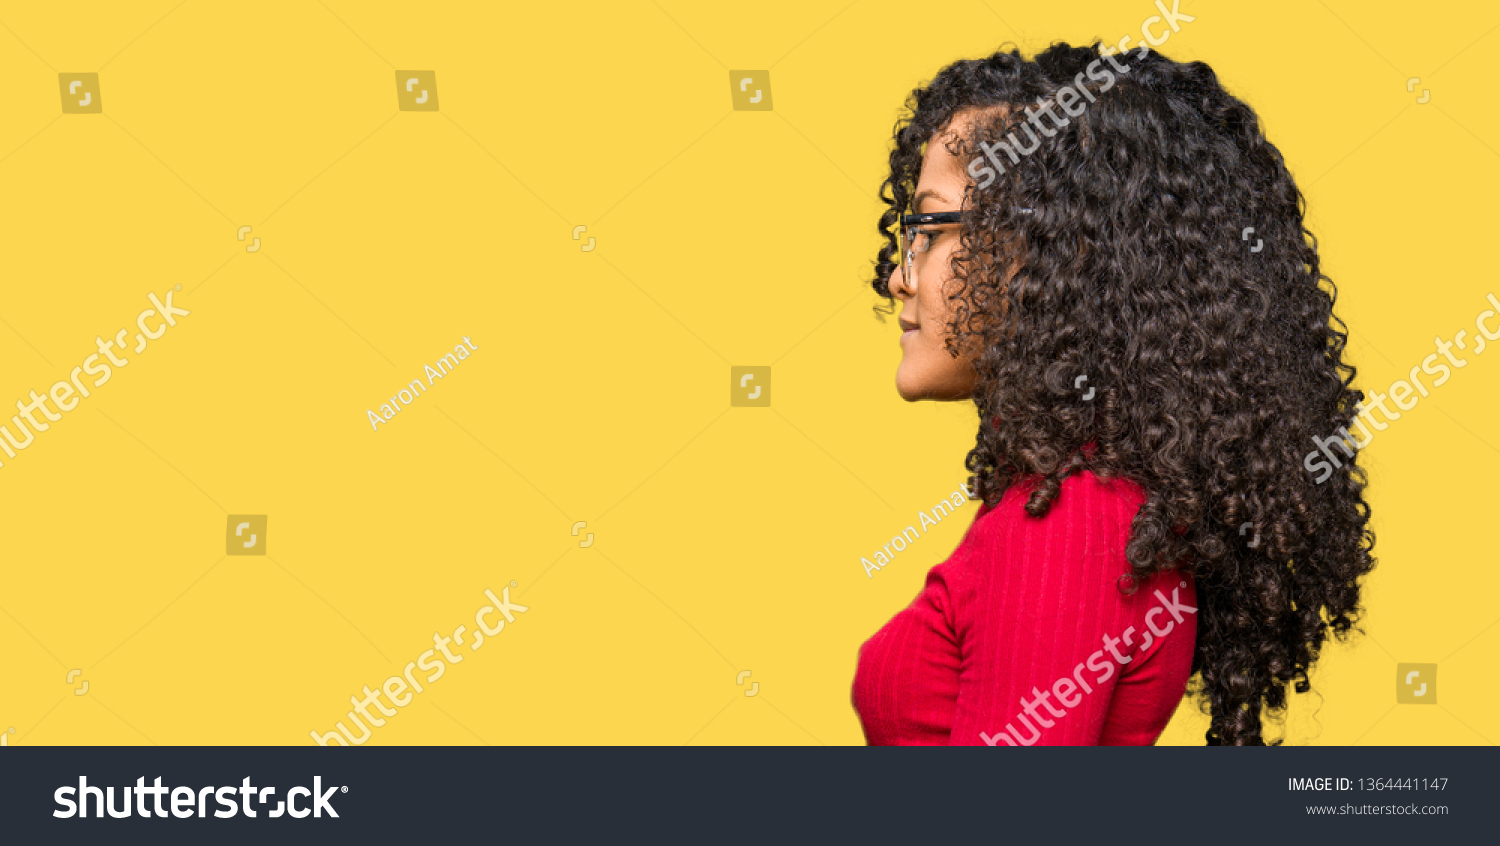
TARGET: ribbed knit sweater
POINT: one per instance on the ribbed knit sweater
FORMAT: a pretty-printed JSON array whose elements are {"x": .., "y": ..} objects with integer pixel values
[{"x": 1017, "y": 639}]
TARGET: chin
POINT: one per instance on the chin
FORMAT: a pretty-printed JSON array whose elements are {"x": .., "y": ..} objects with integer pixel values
[
  {"x": 909, "y": 394},
  {"x": 913, "y": 388},
  {"x": 908, "y": 387}
]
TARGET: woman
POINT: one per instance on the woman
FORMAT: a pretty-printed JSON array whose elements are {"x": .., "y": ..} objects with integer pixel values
[{"x": 1105, "y": 254}]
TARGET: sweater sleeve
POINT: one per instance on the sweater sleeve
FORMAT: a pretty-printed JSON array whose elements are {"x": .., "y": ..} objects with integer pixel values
[{"x": 1047, "y": 638}]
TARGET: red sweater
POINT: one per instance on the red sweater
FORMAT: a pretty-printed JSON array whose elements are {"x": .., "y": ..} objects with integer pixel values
[{"x": 1017, "y": 638}]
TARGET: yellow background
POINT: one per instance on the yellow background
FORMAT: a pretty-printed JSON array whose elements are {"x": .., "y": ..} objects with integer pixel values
[{"x": 725, "y": 539}]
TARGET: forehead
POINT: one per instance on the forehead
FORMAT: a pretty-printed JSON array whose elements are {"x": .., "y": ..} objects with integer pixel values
[{"x": 943, "y": 178}]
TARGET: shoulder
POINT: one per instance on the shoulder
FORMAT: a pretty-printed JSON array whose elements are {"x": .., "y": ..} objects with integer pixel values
[
  {"x": 1082, "y": 536},
  {"x": 1060, "y": 572}
]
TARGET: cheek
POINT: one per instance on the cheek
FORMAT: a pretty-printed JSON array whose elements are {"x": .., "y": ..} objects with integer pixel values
[
  {"x": 930, "y": 346},
  {"x": 937, "y": 309}
]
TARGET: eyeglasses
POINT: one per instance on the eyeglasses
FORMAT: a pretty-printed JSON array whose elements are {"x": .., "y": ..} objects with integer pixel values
[{"x": 915, "y": 242}]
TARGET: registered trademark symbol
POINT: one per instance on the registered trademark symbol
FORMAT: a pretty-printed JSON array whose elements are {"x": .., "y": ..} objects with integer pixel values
[
  {"x": 512, "y": 582},
  {"x": 179, "y": 287},
  {"x": 345, "y": 788}
]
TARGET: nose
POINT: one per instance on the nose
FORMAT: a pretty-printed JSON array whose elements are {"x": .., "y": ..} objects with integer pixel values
[{"x": 897, "y": 284}]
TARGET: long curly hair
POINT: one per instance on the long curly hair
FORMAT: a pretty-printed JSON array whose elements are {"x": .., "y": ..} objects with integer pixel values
[{"x": 1133, "y": 312}]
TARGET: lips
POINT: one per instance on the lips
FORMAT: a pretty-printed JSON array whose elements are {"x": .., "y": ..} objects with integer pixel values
[{"x": 908, "y": 330}]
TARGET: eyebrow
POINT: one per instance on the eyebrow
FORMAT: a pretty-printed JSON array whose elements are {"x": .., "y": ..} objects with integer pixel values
[{"x": 916, "y": 204}]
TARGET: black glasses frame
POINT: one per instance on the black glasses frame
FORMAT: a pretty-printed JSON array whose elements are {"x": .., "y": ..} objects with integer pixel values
[{"x": 944, "y": 217}]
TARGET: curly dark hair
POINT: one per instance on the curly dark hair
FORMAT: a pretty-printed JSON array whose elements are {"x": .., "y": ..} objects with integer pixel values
[{"x": 1216, "y": 366}]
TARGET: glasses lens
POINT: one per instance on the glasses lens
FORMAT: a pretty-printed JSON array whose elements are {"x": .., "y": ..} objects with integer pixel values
[{"x": 917, "y": 245}]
